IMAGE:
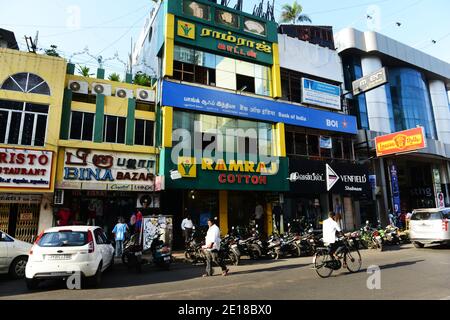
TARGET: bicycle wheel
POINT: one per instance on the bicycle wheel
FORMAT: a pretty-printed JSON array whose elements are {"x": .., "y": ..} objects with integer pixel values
[
  {"x": 320, "y": 263},
  {"x": 353, "y": 260}
]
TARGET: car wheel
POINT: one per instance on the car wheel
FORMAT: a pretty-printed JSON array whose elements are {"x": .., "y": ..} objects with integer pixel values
[
  {"x": 17, "y": 269},
  {"x": 32, "y": 284},
  {"x": 418, "y": 245},
  {"x": 111, "y": 266},
  {"x": 96, "y": 280}
]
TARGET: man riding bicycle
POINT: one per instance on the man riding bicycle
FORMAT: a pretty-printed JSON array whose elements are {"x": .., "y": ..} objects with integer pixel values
[{"x": 330, "y": 229}]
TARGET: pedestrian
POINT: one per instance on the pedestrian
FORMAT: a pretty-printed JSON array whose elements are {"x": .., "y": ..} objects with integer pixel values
[
  {"x": 408, "y": 219},
  {"x": 139, "y": 219},
  {"x": 119, "y": 232},
  {"x": 133, "y": 223},
  {"x": 259, "y": 213},
  {"x": 212, "y": 249},
  {"x": 187, "y": 226},
  {"x": 92, "y": 214}
]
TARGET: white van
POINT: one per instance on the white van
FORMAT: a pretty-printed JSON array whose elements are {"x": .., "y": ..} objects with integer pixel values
[{"x": 430, "y": 226}]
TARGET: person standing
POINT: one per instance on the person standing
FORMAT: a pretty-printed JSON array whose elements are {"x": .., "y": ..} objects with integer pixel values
[
  {"x": 139, "y": 219},
  {"x": 119, "y": 232},
  {"x": 259, "y": 213},
  {"x": 187, "y": 226},
  {"x": 92, "y": 214},
  {"x": 212, "y": 249}
]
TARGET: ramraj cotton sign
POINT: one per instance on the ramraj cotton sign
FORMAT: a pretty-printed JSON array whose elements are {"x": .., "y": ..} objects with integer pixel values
[{"x": 401, "y": 142}]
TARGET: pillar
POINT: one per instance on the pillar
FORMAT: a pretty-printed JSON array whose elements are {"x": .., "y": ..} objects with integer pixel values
[
  {"x": 223, "y": 211},
  {"x": 441, "y": 109},
  {"x": 377, "y": 100},
  {"x": 269, "y": 222}
]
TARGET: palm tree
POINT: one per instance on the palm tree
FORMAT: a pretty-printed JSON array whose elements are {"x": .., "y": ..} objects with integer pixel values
[
  {"x": 114, "y": 77},
  {"x": 294, "y": 14},
  {"x": 85, "y": 71}
]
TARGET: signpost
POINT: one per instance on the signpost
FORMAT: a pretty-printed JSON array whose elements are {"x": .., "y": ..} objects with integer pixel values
[{"x": 370, "y": 82}]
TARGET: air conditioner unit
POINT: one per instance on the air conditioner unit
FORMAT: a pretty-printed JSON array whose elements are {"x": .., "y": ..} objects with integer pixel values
[
  {"x": 124, "y": 93},
  {"x": 101, "y": 88},
  {"x": 79, "y": 86},
  {"x": 59, "y": 197},
  {"x": 146, "y": 95}
]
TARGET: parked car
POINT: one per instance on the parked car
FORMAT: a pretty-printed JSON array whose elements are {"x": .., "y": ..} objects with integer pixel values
[
  {"x": 430, "y": 226},
  {"x": 13, "y": 256},
  {"x": 59, "y": 252}
]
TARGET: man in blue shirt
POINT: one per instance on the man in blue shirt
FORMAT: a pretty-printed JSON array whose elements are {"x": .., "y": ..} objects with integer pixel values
[{"x": 119, "y": 232}]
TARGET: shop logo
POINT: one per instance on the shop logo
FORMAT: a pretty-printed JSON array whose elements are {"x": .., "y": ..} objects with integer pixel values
[
  {"x": 187, "y": 167},
  {"x": 332, "y": 178},
  {"x": 186, "y": 30}
]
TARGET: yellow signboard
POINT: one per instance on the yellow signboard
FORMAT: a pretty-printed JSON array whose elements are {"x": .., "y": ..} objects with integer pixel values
[
  {"x": 187, "y": 167},
  {"x": 186, "y": 30}
]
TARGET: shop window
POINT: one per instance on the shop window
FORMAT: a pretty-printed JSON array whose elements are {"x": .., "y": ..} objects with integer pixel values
[
  {"x": 290, "y": 148},
  {"x": 301, "y": 147},
  {"x": 26, "y": 83},
  {"x": 82, "y": 126},
  {"x": 227, "y": 18},
  {"x": 313, "y": 146},
  {"x": 244, "y": 83},
  {"x": 337, "y": 149},
  {"x": 196, "y": 9},
  {"x": 144, "y": 133},
  {"x": 23, "y": 123},
  {"x": 348, "y": 149},
  {"x": 114, "y": 129}
]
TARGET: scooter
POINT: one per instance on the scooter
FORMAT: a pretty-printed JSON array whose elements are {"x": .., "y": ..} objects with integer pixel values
[
  {"x": 132, "y": 253},
  {"x": 162, "y": 257}
]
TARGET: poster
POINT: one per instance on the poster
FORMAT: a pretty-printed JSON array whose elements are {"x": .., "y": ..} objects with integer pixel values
[{"x": 395, "y": 187}]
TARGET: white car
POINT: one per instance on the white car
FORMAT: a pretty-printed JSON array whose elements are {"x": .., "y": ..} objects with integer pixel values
[
  {"x": 13, "y": 256},
  {"x": 430, "y": 226},
  {"x": 61, "y": 252}
]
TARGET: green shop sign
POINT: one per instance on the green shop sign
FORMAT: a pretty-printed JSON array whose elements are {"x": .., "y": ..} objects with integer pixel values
[
  {"x": 209, "y": 174},
  {"x": 224, "y": 42}
]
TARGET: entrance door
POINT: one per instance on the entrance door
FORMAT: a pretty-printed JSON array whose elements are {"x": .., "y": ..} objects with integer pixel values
[
  {"x": 27, "y": 222},
  {"x": 4, "y": 217}
]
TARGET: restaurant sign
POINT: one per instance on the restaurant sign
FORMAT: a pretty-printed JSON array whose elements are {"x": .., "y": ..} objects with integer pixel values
[
  {"x": 401, "y": 142},
  {"x": 224, "y": 41},
  {"x": 101, "y": 170},
  {"x": 22, "y": 168}
]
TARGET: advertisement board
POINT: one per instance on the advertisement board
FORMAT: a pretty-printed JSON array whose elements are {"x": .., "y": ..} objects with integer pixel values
[
  {"x": 24, "y": 168},
  {"x": 321, "y": 94},
  {"x": 401, "y": 142}
]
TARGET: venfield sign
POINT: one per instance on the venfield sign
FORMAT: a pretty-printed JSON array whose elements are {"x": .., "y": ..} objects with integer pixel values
[
  {"x": 401, "y": 142},
  {"x": 224, "y": 41}
]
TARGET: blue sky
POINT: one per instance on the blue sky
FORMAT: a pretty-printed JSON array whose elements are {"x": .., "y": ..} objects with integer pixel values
[{"x": 106, "y": 27}]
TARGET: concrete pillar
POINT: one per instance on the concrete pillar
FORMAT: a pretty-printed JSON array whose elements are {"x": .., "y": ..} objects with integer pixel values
[
  {"x": 46, "y": 213},
  {"x": 383, "y": 204},
  {"x": 439, "y": 100},
  {"x": 377, "y": 100}
]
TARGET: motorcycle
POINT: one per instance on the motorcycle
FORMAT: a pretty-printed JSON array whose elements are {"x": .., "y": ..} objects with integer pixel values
[
  {"x": 248, "y": 247},
  {"x": 230, "y": 250},
  {"x": 162, "y": 257},
  {"x": 371, "y": 238},
  {"x": 310, "y": 241},
  {"x": 132, "y": 253},
  {"x": 194, "y": 252},
  {"x": 283, "y": 247},
  {"x": 391, "y": 236}
]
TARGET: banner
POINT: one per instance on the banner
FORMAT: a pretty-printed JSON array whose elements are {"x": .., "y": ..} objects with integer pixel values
[
  {"x": 395, "y": 188},
  {"x": 321, "y": 94},
  {"x": 401, "y": 142}
]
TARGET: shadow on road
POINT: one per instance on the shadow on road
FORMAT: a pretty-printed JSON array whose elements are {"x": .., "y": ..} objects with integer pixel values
[{"x": 278, "y": 268}]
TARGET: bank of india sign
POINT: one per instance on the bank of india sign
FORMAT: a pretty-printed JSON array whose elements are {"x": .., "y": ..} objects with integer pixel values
[{"x": 102, "y": 170}]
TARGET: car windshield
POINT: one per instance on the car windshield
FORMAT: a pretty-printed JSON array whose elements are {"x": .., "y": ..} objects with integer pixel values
[
  {"x": 63, "y": 239},
  {"x": 426, "y": 216}
]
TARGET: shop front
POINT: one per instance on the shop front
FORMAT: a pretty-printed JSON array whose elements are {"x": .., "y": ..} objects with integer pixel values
[
  {"x": 318, "y": 187},
  {"x": 97, "y": 187},
  {"x": 240, "y": 193},
  {"x": 26, "y": 182}
]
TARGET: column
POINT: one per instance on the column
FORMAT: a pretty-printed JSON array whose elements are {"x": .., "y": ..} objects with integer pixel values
[
  {"x": 223, "y": 212},
  {"x": 441, "y": 109},
  {"x": 377, "y": 100}
]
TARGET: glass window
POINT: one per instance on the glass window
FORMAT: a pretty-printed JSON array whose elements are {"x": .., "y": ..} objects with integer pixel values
[
  {"x": 301, "y": 144},
  {"x": 121, "y": 129},
  {"x": 149, "y": 133},
  {"x": 245, "y": 84},
  {"x": 26, "y": 83},
  {"x": 226, "y": 80},
  {"x": 88, "y": 126},
  {"x": 290, "y": 147},
  {"x": 183, "y": 54},
  {"x": 337, "y": 149},
  {"x": 41, "y": 126},
  {"x": 144, "y": 133},
  {"x": 3, "y": 123},
  {"x": 14, "y": 128},
  {"x": 255, "y": 27},
  {"x": 262, "y": 87},
  {"x": 227, "y": 18},
  {"x": 76, "y": 125},
  {"x": 82, "y": 126},
  {"x": 313, "y": 145},
  {"x": 204, "y": 59},
  {"x": 348, "y": 149},
  {"x": 196, "y": 9},
  {"x": 114, "y": 130},
  {"x": 245, "y": 68},
  {"x": 27, "y": 129},
  {"x": 262, "y": 72}
]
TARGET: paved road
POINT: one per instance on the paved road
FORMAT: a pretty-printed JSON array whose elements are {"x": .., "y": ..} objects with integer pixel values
[{"x": 406, "y": 273}]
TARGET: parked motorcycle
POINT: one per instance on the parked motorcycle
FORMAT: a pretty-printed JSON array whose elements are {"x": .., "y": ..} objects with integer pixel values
[
  {"x": 194, "y": 252},
  {"x": 132, "y": 253},
  {"x": 391, "y": 236},
  {"x": 230, "y": 250},
  {"x": 248, "y": 247},
  {"x": 162, "y": 257}
]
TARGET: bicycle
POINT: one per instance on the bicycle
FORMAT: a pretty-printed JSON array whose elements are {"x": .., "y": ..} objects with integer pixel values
[{"x": 325, "y": 264}]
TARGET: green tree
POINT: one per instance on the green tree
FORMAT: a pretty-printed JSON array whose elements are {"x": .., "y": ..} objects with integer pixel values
[
  {"x": 114, "y": 77},
  {"x": 294, "y": 13},
  {"x": 52, "y": 51},
  {"x": 85, "y": 71},
  {"x": 142, "y": 79}
]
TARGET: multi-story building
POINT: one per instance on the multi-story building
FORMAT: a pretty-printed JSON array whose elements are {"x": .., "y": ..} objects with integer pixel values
[
  {"x": 220, "y": 72},
  {"x": 416, "y": 95},
  {"x": 31, "y": 96},
  {"x": 107, "y": 156}
]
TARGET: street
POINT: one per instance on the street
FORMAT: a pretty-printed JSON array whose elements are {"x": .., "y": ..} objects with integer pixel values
[{"x": 406, "y": 273}]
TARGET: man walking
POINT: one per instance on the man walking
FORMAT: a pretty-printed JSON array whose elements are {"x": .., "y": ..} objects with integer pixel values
[
  {"x": 187, "y": 226},
  {"x": 119, "y": 232},
  {"x": 212, "y": 248}
]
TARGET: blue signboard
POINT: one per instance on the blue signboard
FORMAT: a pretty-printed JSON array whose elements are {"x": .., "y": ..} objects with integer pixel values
[
  {"x": 321, "y": 94},
  {"x": 395, "y": 186},
  {"x": 229, "y": 104}
]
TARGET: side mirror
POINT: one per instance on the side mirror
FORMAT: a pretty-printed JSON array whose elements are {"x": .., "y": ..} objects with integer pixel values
[{"x": 3, "y": 236}]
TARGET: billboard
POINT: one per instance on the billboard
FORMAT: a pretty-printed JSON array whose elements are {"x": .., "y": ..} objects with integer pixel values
[
  {"x": 321, "y": 94},
  {"x": 401, "y": 142},
  {"x": 370, "y": 82}
]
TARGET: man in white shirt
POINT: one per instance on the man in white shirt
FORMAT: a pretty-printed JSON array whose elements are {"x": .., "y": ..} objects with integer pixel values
[
  {"x": 330, "y": 228},
  {"x": 212, "y": 248},
  {"x": 187, "y": 226}
]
